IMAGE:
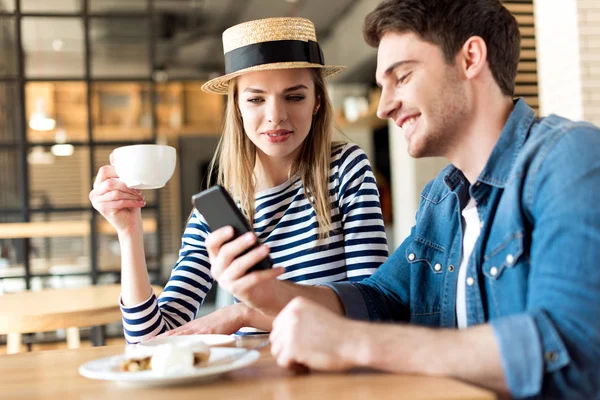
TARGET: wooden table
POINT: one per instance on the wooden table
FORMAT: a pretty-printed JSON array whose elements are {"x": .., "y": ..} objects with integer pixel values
[
  {"x": 54, "y": 375},
  {"x": 52, "y": 309}
]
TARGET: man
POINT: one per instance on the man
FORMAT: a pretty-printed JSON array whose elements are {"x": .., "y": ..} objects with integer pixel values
[{"x": 506, "y": 238}]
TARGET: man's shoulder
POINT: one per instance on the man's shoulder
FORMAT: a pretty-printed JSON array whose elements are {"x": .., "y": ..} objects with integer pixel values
[
  {"x": 550, "y": 131},
  {"x": 554, "y": 122},
  {"x": 560, "y": 139}
]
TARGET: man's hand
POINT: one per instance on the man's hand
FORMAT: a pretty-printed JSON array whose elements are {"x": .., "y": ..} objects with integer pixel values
[
  {"x": 308, "y": 334},
  {"x": 305, "y": 333}
]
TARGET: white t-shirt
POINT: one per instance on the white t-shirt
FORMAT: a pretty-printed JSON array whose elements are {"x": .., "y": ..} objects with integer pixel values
[{"x": 472, "y": 229}]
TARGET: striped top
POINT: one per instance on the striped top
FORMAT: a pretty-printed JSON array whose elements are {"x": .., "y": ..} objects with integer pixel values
[{"x": 287, "y": 223}]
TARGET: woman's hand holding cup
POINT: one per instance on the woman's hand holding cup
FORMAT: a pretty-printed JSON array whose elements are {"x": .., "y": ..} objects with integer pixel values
[
  {"x": 117, "y": 195},
  {"x": 119, "y": 204}
]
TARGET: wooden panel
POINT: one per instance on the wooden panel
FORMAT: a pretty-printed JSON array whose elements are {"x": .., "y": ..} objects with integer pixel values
[
  {"x": 61, "y": 183},
  {"x": 525, "y": 19},
  {"x": 44, "y": 229},
  {"x": 149, "y": 226},
  {"x": 516, "y": 8},
  {"x": 527, "y": 31},
  {"x": 527, "y": 66},
  {"x": 526, "y": 81},
  {"x": 202, "y": 109},
  {"x": 170, "y": 209},
  {"x": 528, "y": 55},
  {"x": 52, "y": 309},
  {"x": 19, "y": 230},
  {"x": 528, "y": 43},
  {"x": 529, "y": 90},
  {"x": 527, "y": 78}
]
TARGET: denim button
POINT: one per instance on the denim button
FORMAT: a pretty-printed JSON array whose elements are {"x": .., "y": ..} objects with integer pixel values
[
  {"x": 451, "y": 268},
  {"x": 510, "y": 259},
  {"x": 437, "y": 267},
  {"x": 551, "y": 356},
  {"x": 470, "y": 281},
  {"x": 493, "y": 271},
  {"x": 411, "y": 256}
]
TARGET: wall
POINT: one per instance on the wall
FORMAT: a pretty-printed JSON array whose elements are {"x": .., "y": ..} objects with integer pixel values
[
  {"x": 409, "y": 176},
  {"x": 558, "y": 58},
  {"x": 589, "y": 45}
]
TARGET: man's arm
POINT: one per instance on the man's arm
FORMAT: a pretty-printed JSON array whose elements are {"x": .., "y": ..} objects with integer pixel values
[
  {"x": 287, "y": 291},
  {"x": 552, "y": 349},
  {"x": 471, "y": 355},
  {"x": 259, "y": 290}
]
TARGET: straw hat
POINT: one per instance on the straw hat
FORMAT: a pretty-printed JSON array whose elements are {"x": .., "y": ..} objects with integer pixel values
[{"x": 267, "y": 44}]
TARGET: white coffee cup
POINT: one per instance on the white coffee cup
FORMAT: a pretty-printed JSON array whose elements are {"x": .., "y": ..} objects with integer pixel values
[{"x": 145, "y": 166}]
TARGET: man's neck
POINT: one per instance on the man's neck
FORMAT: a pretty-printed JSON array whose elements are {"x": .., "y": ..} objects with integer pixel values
[{"x": 480, "y": 136}]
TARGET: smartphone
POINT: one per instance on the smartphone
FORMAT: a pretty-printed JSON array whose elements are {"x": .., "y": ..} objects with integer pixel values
[{"x": 219, "y": 210}]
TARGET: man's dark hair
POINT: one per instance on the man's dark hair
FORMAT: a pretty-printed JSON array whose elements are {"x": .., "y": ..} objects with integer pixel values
[{"x": 448, "y": 24}]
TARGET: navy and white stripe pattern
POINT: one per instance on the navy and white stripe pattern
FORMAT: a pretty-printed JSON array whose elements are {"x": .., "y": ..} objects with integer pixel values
[{"x": 286, "y": 221}]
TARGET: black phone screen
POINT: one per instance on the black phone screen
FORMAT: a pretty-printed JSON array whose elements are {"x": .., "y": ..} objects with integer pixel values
[{"x": 219, "y": 210}]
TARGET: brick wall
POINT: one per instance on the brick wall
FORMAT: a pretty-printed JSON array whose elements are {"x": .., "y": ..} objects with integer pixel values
[{"x": 589, "y": 43}]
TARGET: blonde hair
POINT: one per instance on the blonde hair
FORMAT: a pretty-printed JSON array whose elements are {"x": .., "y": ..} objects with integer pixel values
[{"x": 235, "y": 157}]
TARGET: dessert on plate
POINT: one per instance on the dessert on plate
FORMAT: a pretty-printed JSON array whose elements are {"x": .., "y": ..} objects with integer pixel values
[{"x": 165, "y": 358}]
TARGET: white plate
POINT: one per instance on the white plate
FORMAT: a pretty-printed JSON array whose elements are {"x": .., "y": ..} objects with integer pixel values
[
  {"x": 189, "y": 340},
  {"x": 108, "y": 368}
]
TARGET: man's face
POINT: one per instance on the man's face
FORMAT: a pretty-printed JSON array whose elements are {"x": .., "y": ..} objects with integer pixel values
[{"x": 421, "y": 93}]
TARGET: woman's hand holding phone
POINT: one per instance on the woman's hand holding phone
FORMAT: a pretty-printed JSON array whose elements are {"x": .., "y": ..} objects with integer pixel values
[{"x": 229, "y": 267}]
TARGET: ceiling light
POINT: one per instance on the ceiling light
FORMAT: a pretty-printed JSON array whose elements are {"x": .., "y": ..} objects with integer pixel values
[
  {"x": 61, "y": 136},
  {"x": 58, "y": 44},
  {"x": 38, "y": 156},
  {"x": 160, "y": 75},
  {"x": 62, "y": 150},
  {"x": 39, "y": 120}
]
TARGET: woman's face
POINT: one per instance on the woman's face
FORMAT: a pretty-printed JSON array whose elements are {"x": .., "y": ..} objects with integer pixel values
[{"x": 277, "y": 108}]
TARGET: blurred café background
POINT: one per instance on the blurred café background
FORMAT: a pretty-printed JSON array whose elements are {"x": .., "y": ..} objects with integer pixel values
[{"x": 79, "y": 78}]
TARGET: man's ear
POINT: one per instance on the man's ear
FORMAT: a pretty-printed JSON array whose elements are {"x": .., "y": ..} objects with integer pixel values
[{"x": 473, "y": 57}]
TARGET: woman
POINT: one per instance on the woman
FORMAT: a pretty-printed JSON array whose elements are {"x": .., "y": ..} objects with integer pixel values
[{"x": 313, "y": 203}]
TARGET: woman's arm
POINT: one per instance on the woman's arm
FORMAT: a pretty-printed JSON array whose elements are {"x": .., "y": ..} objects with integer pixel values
[{"x": 183, "y": 294}]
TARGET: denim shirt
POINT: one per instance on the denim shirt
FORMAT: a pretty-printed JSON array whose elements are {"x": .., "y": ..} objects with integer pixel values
[{"x": 533, "y": 274}]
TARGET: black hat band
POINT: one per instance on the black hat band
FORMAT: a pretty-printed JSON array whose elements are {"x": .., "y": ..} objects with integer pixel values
[{"x": 273, "y": 52}]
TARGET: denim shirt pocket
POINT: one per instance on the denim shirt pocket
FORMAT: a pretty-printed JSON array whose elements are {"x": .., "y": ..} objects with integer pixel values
[
  {"x": 506, "y": 268},
  {"x": 426, "y": 259},
  {"x": 504, "y": 255},
  {"x": 422, "y": 250}
]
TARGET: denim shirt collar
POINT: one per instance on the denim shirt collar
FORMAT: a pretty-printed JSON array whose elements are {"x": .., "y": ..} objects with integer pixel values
[
  {"x": 501, "y": 161},
  {"x": 498, "y": 167}
]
